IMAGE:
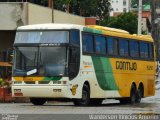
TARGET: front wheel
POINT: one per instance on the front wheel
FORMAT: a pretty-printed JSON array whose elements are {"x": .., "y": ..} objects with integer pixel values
[
  {"x": 37, "y": 101},
  {"x": 85, "y": 100},
  {"x": 96, "y": 102}
]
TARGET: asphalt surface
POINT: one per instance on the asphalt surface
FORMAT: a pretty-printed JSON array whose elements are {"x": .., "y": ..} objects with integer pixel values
[{"x": 67, "y": 111}]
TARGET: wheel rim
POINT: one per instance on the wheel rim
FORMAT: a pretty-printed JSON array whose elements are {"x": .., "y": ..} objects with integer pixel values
[
  {"x": 139, "y": 96},
  {"x": 84, "y": 97}
]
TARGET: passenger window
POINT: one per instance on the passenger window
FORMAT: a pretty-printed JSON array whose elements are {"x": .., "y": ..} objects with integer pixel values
[
  {"x": 112, "y": 46},
  {"x": 151, "y": 53},
  {"x": 74, "y": 37},
  {"x": 123, "y": 47},
  {"x": 87, "y": 41},
  {"x": 144, "y": 50},
  {"x": 100, "y": 45},
  {"x": 134, "y": 49}
]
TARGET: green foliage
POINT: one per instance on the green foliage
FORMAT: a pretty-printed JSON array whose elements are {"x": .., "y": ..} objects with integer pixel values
[
  {"x": 86, "y": 8},
  {"x": 59, "y": 5},
  {"x": 1, "y": 82},
  {"x": 126, "y": 21},
  {"x": 103, "y": 8}
]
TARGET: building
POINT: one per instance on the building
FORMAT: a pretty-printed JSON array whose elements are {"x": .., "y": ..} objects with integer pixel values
[
  {"x": 146, "y": 18},
  {"x": 120, "y": 6}
]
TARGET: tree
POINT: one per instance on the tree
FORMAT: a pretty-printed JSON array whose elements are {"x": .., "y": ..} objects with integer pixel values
[
  {"x": 61, "y": 4},
  {"x": 126, "y": 21},
  {"x": 86, "y": 8},
  {"x": 103, "y": 9}
]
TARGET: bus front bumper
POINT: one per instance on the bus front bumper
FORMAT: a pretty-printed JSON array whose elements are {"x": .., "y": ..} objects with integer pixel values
[{"x": 41, "y": 91}]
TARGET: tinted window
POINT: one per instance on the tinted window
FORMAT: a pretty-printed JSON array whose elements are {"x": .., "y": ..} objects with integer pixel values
[
  {"x": 74, "y": 37},
  {"x": 112, "y": 46},
  {"x": 42, "y": 37},
  {"x": 151, "y": 55},
  {"x": 87, "y": 40},
  {"x": 100, "y": 44},
  {"x": 143, "y": 50},
  {"x": 123, "y": 47},
  {"x": 134, "y": 49}
]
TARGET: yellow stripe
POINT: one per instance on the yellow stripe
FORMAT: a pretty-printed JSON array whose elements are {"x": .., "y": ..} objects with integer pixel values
[{"x": 28, "y": 78}]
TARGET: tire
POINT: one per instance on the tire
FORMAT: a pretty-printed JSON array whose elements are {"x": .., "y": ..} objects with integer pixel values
[
  {"x": 96, "y": 102},
  {"x": 139, "y": 95},
  {"x": 133, "y": 95},
  {"x": 124, "y": 101},
  {"x": 85, "y": 100},
  {"x": 37, "y": 101}
]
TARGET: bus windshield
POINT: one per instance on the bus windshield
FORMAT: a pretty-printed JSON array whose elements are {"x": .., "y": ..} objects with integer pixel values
[
  {"x": 42, "y": 37},
  {"x": 42, "y": 61}
]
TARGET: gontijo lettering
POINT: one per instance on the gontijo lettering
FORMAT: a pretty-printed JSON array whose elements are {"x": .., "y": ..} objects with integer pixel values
[{"x": 122, "y": 65}]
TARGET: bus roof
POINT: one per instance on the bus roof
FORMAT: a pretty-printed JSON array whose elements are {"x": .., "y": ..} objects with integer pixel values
[
  {"x": 50, "y": 26},
  {"x": 119, "y": 33},
  {"x": 91, "y": 28}
]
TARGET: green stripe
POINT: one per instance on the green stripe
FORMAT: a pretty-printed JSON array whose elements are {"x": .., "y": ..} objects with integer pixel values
[
  {"x": 92, "y": 30},
  {"x": 104, "y": 74},
  {"x": 52, "y": 78}
]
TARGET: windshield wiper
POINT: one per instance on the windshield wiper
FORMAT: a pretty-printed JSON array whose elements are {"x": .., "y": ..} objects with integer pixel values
[
  {"x": 35, "y": 56},
  {"x": 32, "y": 72}
]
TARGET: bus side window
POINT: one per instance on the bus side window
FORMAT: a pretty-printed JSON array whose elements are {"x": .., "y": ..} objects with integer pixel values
[
  {"x": 144, "y": 53},
  {"x": 100, "y": 45},
  {"x": 74, "y": 61},
  {"x": 134, "y": 48},
  {"x": 74, "y": 37},
  {"x": 74, "y": 54},
  {"x": 123, "y": 47},
  {"x": 87, "y": 43},
  {"x": 151, "y": 53},
  {"x": 112, "y": 46}
]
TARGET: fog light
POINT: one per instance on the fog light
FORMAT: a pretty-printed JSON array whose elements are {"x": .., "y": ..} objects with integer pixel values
[
  {"x": 17, "y": 82},
  {"x": 17, "y": 90}
]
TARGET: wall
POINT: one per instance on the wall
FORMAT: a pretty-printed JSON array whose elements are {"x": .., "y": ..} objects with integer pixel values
[
  {"x": 90, "y": 21},
  {"x": 12, "y": 15},
  {"x": 63, "y": 17},
  {"x": 38, "y": 14}
]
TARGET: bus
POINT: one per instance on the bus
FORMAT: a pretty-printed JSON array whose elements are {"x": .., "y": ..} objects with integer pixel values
[{"x": 84, "y": 64}]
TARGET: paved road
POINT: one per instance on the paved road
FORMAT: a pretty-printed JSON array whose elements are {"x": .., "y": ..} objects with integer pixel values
[{"x": 148, "y": 106}]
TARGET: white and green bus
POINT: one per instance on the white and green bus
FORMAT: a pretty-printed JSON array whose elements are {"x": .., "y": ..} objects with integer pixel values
[{"x": 85, "y": 64}]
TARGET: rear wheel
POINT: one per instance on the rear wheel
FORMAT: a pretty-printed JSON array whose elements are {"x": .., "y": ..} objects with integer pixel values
[
  {"x": 37, "y": 101},
  {"x": 133, "y": 94},
  {"x": 139, "y": 95},
  {"x": 133, "y": 97},
  {"x": 124, "y": 100},
  {"x": 85, "y": 100}
]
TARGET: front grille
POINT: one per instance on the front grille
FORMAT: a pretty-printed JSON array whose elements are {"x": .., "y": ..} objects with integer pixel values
[
  {"x": 29, "y": 82},
  {"x": 43, "y": 82}
]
